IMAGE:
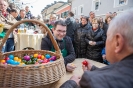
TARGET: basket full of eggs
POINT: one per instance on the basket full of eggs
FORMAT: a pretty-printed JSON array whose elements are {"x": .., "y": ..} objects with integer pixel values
[{"x": 30, "y": 68}]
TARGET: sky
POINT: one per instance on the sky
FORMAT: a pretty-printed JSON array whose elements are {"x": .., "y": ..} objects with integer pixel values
[{"x": 36, "y": 6}]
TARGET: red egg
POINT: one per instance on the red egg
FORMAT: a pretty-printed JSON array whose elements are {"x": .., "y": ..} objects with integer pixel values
[
  {"x": 6, "y": 58},
  {"x": 85, "y": 63},
  {"x": 39, "y": 56}
]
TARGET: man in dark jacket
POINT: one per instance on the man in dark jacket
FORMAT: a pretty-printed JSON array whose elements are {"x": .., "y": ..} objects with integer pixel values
[
  {"x": 119, "y": 52},
  {"x": 64, "y": 42},
  {"x": 71, "y": 24}
]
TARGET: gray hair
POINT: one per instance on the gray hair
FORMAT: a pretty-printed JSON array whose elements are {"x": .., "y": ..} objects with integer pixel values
[{"x": 123, "y": 24}]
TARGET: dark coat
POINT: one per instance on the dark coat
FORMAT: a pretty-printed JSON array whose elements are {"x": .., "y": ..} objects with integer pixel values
[
  {"x": 71, "y": 25},
  {"x": 105, "y": 28},
  {"x": 118, "y": 75},
  {"x": 79, "y": 40},
  {"x": 94, "y": 52},
  {"x": 46, "y": 44}
]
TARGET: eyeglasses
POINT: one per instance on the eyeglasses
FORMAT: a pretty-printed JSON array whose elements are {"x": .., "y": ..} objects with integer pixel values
[{"x": 59, "y": 31}]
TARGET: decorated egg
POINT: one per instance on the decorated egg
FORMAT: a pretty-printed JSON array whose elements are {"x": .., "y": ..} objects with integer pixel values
[
  {"x": 35, "y": 55},
  {"x": 16, "y": 63},
  {"x": 39, "y": 56},
  {"x": 42, "y": 57},
  {"x": 16, "y": 58},
  {"x": 47, "y": 56},
  {"x": 2, "y": 61},
  {"x": 6, "y": 58},
  {"x": 19, "y": 60},
  {"x": 10, "y": 61},
  {"x": 11, "y": 56},
  {"x": 51, "y": 61},
  {"x": 53, "y": 58},
  {"x": 27, "y": 58},
  {"x": 45, "y": 61}
]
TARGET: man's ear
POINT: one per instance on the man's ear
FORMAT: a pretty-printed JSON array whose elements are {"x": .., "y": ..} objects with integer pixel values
[
  {"x": 119, "y": 43},
  {"x": 53, "y": 29}
]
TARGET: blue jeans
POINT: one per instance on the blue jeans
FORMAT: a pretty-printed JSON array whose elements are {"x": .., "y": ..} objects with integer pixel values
[{"x": 9, "y": 46}]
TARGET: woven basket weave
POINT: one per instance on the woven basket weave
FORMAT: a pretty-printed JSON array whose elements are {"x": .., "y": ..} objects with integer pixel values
[{"x": 31, "y": 75}]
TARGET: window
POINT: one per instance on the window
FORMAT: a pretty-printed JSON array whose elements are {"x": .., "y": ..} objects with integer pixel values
[
  {"x": 81, "y": 8},
  {"x": 118, "y": 3},
  {"x": 95, "y": 5},
  {"x": 75, "y": 11}
]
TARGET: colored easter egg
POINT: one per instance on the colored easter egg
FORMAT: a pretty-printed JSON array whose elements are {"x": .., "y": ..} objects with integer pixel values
[
  {"x": 51, "y": 61},
  {"x": 11, "y": 56},
  {"x": 42, "y": 57},
  {"x": 47, "y": 56},
  {"x": 3, "y": 61},
  {"x": 53, "y": 58},
  {"x": 19, "y": 60},
  {"x": 16, "y": 63},
  {"x": 39, "y": 56},
  {"x": 85, "y": 63},
  {"x": 16, "y": 58},
  {"x": 6, "y": 58},
  {"x": 35, "y": 55},
  {"x": 27, "y": 58},
  {"x": 45, "y": 61}
]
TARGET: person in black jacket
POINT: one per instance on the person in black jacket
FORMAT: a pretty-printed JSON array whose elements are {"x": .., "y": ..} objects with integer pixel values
[
  {"x": 64, "y": 42},
  {"x": 119, "y": 52},
  {"x": 79, "y": 38},
  {"x": 71, "y": 25},
  {"x": 95, "y": 39}
]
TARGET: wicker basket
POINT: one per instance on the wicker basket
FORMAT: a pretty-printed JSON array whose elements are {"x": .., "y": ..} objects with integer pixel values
[{"x": 31, "y": 75}]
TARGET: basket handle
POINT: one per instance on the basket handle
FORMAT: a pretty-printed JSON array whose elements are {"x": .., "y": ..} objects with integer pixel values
[{"x": 45, "y": 29}]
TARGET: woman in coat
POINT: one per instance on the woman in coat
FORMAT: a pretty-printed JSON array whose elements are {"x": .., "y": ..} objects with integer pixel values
[
  {"x": 95, "y": 39},
  {"x": 79, "y": 38}
]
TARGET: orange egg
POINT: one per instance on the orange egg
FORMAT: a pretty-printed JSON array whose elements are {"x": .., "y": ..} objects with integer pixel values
[
  {"x": 2, "y": 61},
  {"x": 42, "y": 57}
]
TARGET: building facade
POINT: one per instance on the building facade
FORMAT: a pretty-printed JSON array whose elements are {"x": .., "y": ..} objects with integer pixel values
[{"x": 100, "y": 7}]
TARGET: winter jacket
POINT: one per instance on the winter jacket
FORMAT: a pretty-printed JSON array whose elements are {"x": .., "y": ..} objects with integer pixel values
[
  {"x": 118, "y": 75},
  {"x": 79, "y": 40},
  {"x": 94, "y": 51},
  {"x": 46, "y": 44}
]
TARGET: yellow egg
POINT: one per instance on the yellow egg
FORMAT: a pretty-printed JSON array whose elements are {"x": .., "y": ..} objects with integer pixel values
[
  {"x": 16, "y": 58},
  {"x": 19, "y": 60},
  {"x": 21, "y": 64},
  {"x": 35, "y": 55}
]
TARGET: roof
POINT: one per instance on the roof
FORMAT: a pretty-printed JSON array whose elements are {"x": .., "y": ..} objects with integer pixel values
[{"x": 52, "y": 6}]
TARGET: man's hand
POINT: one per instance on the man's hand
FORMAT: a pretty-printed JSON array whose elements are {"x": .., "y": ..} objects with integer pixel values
[
  {"x": 93, "y": 43},
  {"x": 88, "y": 67},
  {"x": 90, "y": 42},
  {"x": 76, "y": 79},
  {"x": 70, "y": 67}
]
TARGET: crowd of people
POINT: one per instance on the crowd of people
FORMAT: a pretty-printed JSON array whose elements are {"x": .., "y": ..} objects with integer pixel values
[
  {"x": 10, "y": 15},
  {"x": 88, "y": 35}
]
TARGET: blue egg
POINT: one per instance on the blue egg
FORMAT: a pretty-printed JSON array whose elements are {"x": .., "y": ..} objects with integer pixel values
[
  {"x": 47, "y": 56},
  {"x": 8, "y": 61},
  {"x": 12, "y": 62},
  {"x": 15, "y": 63},
  {"x": 51, "y": 61},
  {"x": 11, "y": 56}
]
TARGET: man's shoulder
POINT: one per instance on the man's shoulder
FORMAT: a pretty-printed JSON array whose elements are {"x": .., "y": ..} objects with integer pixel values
[{"x": 67, "y": 38}]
